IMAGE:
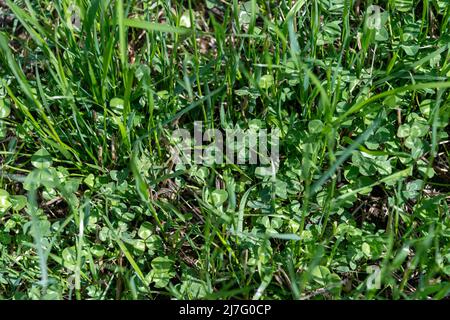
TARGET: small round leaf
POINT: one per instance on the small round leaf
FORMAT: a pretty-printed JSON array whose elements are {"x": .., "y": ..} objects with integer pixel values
[
  {"x": 4, "y": 109},
  {"x": 41, "y": 159},
  {"x": 219, "y": 197}
]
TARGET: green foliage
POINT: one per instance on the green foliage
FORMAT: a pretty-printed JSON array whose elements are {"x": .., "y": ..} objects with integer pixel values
[{"x": 92, "y": 205}]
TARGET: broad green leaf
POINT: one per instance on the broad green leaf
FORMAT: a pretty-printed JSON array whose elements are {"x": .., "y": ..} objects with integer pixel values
[
  {"x": 419, "y": 129},
  {"x": 69, "y": 256},
  {"x": 4, "y": 109},
  {"x": 154, "y": 244},
  {"x": 185, "y": 20},
  {"x": 116, "y": 105},
  {"x": 89, "y": 180},
  {"x": 45, "y": 177},
  {"x": 145, "y": 230},
  {"x": 97, "y": 250},
  {"x": 366, "y": 249},
  {"x": 315, "y": 126},
  {"x": 139, "y": 246},
  {"x": 403, "y": 5},
  {"x": 158, "y": 27},
  {"x": 3, "y": 129},
  {"x": 5, "y": 204},
  {"x": 410, "y": 50},
  {"x": 320, "y": 274},
  {"x": 18, "y": 202},
  {"x": 162, "y": 272},
  {"x": 413, "y": 188},
  {"x": 281, "y": 189},
  {"x": 266, "y": 81},
  {"x": 246, "y": 12}
]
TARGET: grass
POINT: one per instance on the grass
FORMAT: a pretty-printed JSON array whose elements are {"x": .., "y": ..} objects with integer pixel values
[{"x": 93, "y": 206}]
